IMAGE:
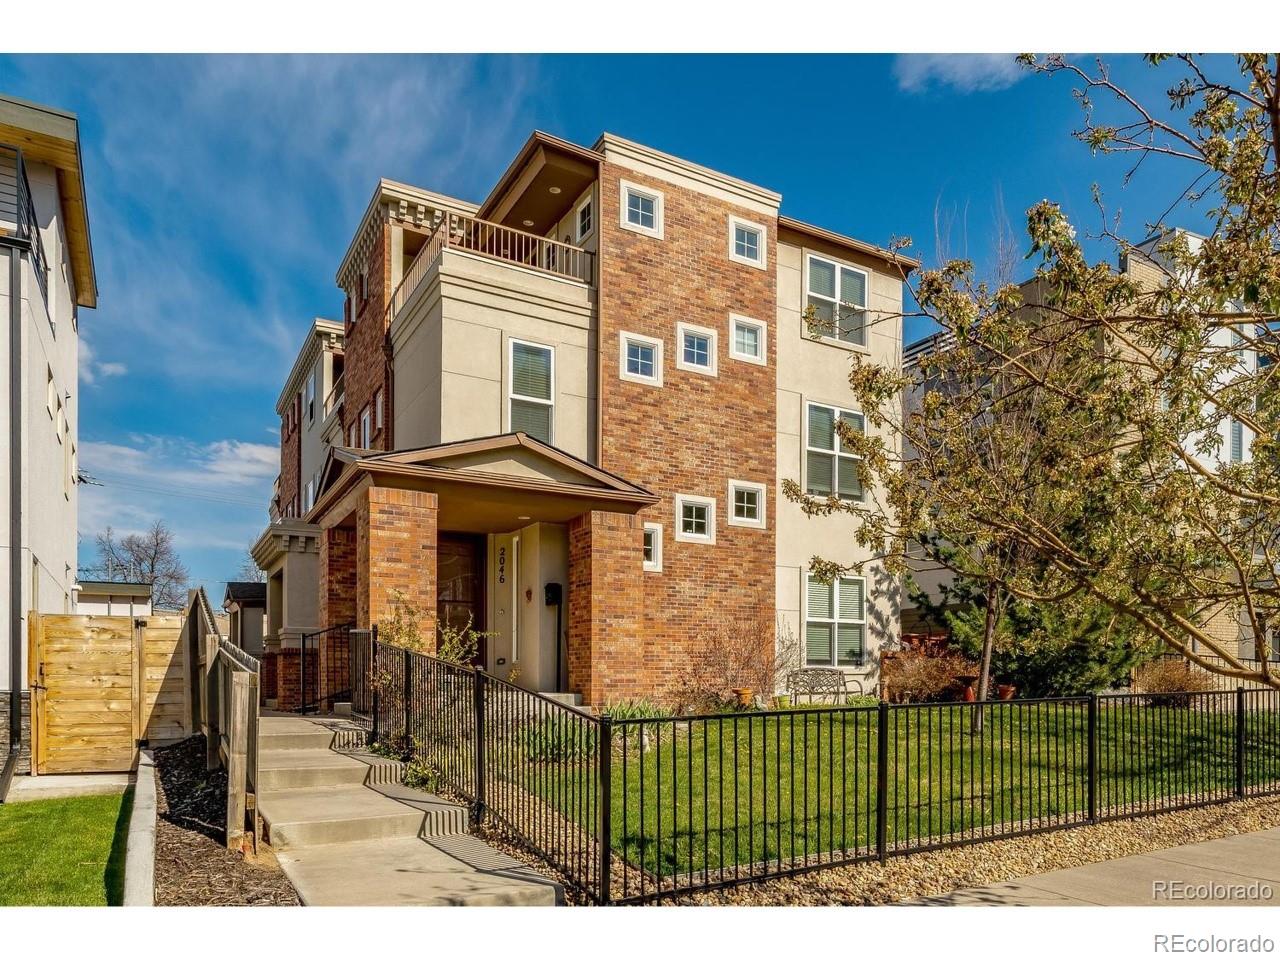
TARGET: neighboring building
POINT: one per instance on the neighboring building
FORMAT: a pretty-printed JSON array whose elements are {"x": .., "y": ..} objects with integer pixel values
[
  {"x": 108, "y": 599},
  {"x": 572, "y": 406},
  {"x": 46, "y": 276},
  {"x": 245, "y": 604}
]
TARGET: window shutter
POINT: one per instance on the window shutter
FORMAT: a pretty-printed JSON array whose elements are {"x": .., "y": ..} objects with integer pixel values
[{"x": 531, "y": 371}]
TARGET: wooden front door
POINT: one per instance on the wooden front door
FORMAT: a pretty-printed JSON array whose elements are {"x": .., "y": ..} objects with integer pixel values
[{"x": 460, "y": 584}]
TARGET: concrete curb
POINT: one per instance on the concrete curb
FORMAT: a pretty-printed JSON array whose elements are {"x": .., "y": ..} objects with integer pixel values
[{"x": 140, "y": 852}]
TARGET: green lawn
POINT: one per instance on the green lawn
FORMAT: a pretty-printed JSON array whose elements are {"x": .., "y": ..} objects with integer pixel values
[
  {"x": 66, "y": 853},
  {"x": 769, "y": 786}
]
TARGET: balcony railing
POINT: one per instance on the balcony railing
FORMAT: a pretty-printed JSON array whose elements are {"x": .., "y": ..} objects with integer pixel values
[
  {"x": 458, "y": 232},
  {"x": 333, "y": 399},
  {"x": 18, "y": 213}
]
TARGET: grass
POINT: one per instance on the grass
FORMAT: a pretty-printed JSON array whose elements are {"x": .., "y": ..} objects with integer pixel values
[
  {"x": 66, "y": 853},
  {"x": 780, "y": 786}
]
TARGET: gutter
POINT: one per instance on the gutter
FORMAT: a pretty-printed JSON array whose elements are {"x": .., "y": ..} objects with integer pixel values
[{"x": 15, "y": 517}]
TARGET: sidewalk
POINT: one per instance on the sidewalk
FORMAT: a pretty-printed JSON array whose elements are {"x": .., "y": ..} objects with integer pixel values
[{"x": 1243, "y": 870}]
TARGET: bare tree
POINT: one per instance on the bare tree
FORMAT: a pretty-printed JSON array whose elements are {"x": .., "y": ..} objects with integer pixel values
[
  {"x": 249, "y": 571},
  {"x": 149, "y": 557}
]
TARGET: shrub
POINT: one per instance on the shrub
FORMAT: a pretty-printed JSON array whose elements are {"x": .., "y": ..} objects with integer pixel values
[
  {"x": 633, "y": 708},
  {"x": 749, "y": 654},
  {"x": 559, "y": 740},
  {"x": 421, "y": 774},
  {"x": 1163, "y": 680},
  {"x": 920, "y": 679}
]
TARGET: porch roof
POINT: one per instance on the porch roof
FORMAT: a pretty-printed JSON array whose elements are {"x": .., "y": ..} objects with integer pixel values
[{"x": 486, "y": 485}]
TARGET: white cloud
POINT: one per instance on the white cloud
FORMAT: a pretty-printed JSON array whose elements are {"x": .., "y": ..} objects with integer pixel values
[
  {"x": 963, "y": 72},
  {"x": 91, "y": 368}
]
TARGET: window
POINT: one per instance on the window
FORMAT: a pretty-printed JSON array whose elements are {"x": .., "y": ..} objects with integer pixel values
[
  {"x": 830, "y": 466},
  {"x": 696, "y": 349},
  {"x": 351, "y": 436},
  {"x": 586, "y": 219},
  {"x": 68, "y": 470},
  {"x": 747, "y": 243},
  {"x": 60, "y": 422},
  {"x": 695, "y": 519},
  {"x": 653, "y": 547},
  {"x": 366, "y": 429},
  {"x": 309, "y": 498},
  {"x": 838, "y": 295},
  {"x": 50, "y": 394},
  {"x": 746, "y": 504},
  {"x": 747, "y": 339},
  {"x": 1237, "y": 441},
  {"x": 377, "y": 410},
  {"x": 835, "y": 622},
  {"x": 310, "y": 400},
  {"x": 640, "y": 359},
  {"x": 531, "y": 389},
  {"x": 641, "y": 210}
]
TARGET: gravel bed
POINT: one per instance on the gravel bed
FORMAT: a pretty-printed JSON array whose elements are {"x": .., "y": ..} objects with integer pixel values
[
  {"x": 942, "y": 871},
  {"x": 193, "y": 866}
]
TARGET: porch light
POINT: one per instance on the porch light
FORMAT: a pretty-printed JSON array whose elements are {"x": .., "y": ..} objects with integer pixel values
[
  {"x": 528, "y": 223},
  {"x": 553, "y": 190},
  {"x": 524, "y": 518}
]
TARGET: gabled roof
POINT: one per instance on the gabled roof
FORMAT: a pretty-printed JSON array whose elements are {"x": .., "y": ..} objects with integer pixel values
[{"x": 245, "y": 591}]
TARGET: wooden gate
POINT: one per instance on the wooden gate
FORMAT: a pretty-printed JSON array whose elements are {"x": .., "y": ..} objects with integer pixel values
[{"x": 102, "y": 685}]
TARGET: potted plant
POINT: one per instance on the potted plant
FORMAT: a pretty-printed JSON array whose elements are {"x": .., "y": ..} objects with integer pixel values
[
  {"x": 744, "y": 696},
  {"x": 1007, "y": 691},
  {"x": 782, "y": 701}
]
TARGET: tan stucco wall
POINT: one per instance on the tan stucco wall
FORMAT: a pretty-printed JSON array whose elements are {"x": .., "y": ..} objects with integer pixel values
[
  {"x": 544, "y": 558},
  {"x": 818, "y": 371}
]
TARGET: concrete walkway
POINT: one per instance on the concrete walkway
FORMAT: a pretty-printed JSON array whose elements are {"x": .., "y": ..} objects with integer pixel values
[
  {"x": 58, "y": 786},
  {"x": 1243, "y": 870},
  {"x": 347, "y": 833}
]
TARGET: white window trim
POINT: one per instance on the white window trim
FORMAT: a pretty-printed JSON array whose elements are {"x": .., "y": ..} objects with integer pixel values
[
  {"x": 512, "y": 395},
  {"x": 804, "y": 300},
  {"x": 366, "y": 428},
  {"x": 804, "y": 454},
  {"x": 761, "y": 493},
  {"x": 713, "y": 349},
  {"x": 654, "y": 565},
  {"x": 625, "y": 188},
  {"x": 734, "y": 320},
  {"x": 577, "y": 219},
  {"x": 805, "y": 619},
  {"x": 763, "y": 247},
  {"x": 710, "y": 503},
  {"x": 624, "y": 374},
  {"x": 515, "y": 598},
  {"x": 378, "y": 412}
]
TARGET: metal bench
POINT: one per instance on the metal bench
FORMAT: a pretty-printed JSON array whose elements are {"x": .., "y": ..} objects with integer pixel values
[{"x": 815, "y": 682}]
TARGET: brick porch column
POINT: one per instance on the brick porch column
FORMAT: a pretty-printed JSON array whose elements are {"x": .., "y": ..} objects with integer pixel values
[
  {"x": 605, "y": 606},
  {"x": 396, "y": 551}
]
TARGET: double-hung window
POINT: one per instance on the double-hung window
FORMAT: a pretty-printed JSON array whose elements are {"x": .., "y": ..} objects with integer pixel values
[
  {"x": 747, "y": 339},
  {"x": 531, "y": 389},
  {"x": 835, "y": 622},
  {"x": 640, "y": 359},
  {"x": 377, "y": 410},
  {"x": 696, "y": 349},
  {"x": 366, "y": 429},
  {"x": 838, "y": 295},
  {"x": 695, "y": 519},
  {"x": 641, "y": 210},
  {"x": 747, "y": 243},
  {"x": 311, "y": 398},
  {"x": 586, "y": 220},
  {"x": 831, "y": 468}
]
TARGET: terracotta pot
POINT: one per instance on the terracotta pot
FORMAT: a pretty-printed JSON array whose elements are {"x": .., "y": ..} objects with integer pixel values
[
  {"x": 744, "y": 696},
  {"x": 1007, "y": 691}
]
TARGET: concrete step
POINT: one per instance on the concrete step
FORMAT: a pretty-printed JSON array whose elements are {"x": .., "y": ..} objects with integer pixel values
[
  {"x": 568, "y": 699},
  {"x": 292, "y": 769},
  {"x": 451, "y": 871},
  {"x": 293, "y": 733},
  {"x": 346, "y": 814}
]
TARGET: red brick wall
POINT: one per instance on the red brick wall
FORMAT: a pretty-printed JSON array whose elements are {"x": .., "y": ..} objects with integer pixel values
[
  {"x": 606, "y": 654},
  {"x": 365, "y": 368},
  {"x": 291, "y": 458},
  {"x": 267, "y": 683},
  {"x": 396, "y": 545},
  {"x": 692, "y": 435},
  {"x": 337, "y": 576},
  {"x": 289, "y": 678}
]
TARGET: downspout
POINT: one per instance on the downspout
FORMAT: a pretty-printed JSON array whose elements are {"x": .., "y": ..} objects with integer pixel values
[{"x": 15, "y": 520}]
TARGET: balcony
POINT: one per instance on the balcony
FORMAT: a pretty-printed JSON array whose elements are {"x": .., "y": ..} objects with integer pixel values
[
  {"x": 18, "y": 213},
  {"x": 494, "y": 241}
]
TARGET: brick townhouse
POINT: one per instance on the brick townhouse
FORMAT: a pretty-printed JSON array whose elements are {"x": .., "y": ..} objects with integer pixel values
[{"x": 564, "y": 416}]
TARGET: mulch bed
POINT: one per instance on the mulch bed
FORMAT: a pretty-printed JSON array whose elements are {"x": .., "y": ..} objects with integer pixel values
[{"x": 194, "y": 868}]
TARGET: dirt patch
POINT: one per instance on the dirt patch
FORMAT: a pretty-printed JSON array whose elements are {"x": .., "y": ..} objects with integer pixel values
[{"x": 193, "y": 866}]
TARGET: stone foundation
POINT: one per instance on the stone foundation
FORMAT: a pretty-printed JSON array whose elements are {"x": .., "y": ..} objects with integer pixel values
[{"x": 24, "y": 758}]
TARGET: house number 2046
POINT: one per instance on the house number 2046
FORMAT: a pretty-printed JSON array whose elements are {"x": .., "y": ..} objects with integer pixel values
[{"x": 502, "y": 564}]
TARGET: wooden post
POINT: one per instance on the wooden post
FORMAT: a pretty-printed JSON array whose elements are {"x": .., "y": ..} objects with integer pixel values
[
  {"x": 237, "y": 757},
  {"x": 213, "y": 735}
]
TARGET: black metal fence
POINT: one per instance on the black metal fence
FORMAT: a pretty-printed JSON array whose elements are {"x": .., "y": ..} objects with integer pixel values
[
  {"x": 324, "y": 672},
  {"x": 360, "y": 662},
  {"x": 632, "y": 810}
]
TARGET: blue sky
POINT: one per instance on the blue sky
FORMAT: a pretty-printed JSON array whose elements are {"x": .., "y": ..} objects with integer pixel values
[{"x": 223, "y": 192}]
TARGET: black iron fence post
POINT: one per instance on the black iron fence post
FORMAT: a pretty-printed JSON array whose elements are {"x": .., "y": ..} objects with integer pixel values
[
  {"x": 478, "y": 691},
  {"x": 882, "y": 782},
  {"x": 1239, "y": 741},
  {"x": 1093, "y": 757},
  {"x": 373, "y": 679},
  {"x": 408, "y": 695},
  {"x": 604, "y": 754}
]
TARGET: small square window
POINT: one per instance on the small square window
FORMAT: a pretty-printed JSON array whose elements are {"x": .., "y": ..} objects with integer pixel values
[
  {"x": 640, "y": 359},
  {"x": 697, "y": 349},
  {"x": 695, "y": 519},
  {"x": 653, "y": 547},
  {"x": 747, "y": 338},
  {"x": 746, "y": 504},
  {"x": 747, "y": 242},
  {"x": 641, "y": 209}
]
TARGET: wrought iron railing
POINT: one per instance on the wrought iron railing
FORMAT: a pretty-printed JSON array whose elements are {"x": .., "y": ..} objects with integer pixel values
[
  {"x": 324, "y": 671},
  {"x": 459, "y": 232},
  {"x": 18, "y": 209}
]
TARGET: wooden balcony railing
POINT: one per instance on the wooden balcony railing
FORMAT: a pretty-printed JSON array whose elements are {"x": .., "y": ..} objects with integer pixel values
[{"x": 460, "y": 232}]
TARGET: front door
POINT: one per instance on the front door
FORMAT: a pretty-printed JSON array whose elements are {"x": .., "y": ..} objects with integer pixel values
[{"x": 460, "y": 584}]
